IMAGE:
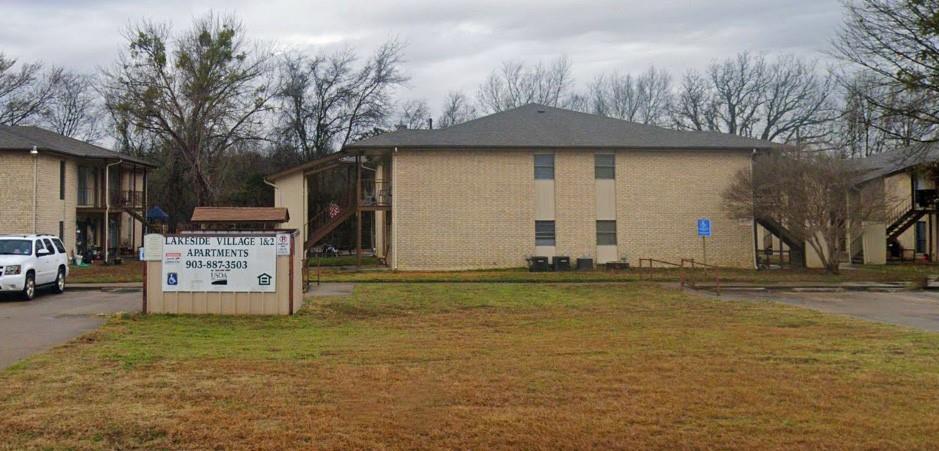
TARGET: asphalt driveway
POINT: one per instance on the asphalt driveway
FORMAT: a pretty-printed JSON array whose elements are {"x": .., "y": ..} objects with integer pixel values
[
  {"x": 50, "y": 320},
  {"x": 919, "y": 309}
]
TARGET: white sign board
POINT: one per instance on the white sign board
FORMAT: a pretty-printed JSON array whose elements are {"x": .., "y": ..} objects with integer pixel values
[
  {"x": 152, "y": 247},
  {"x": 230, "y": 263},
  {"x": 283, "y": 244}
]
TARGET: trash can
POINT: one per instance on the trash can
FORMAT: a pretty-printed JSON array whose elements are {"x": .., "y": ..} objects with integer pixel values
[
  {"x": 561, "y": 263},
  {"x": 538, "y": 264},
  {"x": 584, "y": 264}
]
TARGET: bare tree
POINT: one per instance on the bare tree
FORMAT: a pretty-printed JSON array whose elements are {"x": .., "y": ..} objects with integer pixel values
[
  {"x": 737, "y": 89},
  {"x": 75, "y": 108},
  {"x": 326, "y": 101},
  {"x": 693, "y": 108},
  {"x": 645, "y": 98},
  {"x": 865, "y": 128},
  {"x": 899, "y": 42},
  {"x": 25, "y": 92},
  {"x": 202, "y": 97},
  {"x": 457, "y": 109},
  {"x": 516, "y": 84},
  {"x": 798, "y": 102},
  {"x": 809, "y": 193},
  {"x": 786, "y": 100},
  {"x": 413, "y": 114}
]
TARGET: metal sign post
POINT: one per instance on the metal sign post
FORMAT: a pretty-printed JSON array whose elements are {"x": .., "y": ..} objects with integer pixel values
[{"x": 704, "y": 231}]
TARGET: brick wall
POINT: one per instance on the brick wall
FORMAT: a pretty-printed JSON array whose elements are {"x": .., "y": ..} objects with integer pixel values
[
  {"x": 660, "y": 195},
  {"x": 16, "y": 184},
  {"x": 461, "y": 209},
  {"x": 576, "y": 209}
]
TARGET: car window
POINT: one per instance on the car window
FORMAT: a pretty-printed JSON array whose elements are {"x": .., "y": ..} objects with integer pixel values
[
  {"x": 39, "y": 247},
  {"x": 16, "y": 247},
  {"x": 49, "y": 246},
  {"x": 58, "y": 245}
]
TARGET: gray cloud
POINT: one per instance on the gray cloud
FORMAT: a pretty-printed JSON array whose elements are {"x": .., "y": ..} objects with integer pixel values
[{"x": 450, "y": 44}]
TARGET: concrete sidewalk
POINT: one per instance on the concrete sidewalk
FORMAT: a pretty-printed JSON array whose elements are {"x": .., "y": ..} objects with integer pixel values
[{"x": 330, "y": 289}]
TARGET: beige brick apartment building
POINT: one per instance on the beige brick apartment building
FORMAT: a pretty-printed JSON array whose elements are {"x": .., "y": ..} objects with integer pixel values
[
  {"x": 534, "y": 181},
  {"x": 92, "y": 197}
]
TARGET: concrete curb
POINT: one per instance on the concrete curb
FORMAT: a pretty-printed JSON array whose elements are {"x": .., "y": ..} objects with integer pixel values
[
  {"x": 813, "y": 287},
  {"x": 124, "y": 286}
]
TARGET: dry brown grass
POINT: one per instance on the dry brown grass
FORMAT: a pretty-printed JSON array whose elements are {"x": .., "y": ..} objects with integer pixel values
[
  {"x": 484, "y": 366},
  {"x": 129, "y": 271}
]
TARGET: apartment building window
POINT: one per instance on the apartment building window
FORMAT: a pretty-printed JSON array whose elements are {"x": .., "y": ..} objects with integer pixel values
[
  {"x": 544, "y": 166},
  {"x": 62, "y": 179},
  {"x": 604, "y": 165},
  {"x": 606, "y": 233},
  {"x": 544, "y": 233}
]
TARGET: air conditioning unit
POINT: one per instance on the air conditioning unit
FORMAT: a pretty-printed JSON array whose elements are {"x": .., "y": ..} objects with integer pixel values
[
  {"x": 538, "y": 264},
  {"x": 561, "y": 263}
]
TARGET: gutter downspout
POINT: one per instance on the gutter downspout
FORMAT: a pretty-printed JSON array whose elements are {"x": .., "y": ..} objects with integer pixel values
[
  {"x": 107, "y": 210},
  {"x": 276, "y": 191},
  {"x": 394, "y": 211},
  {"x": 756, "y": 258},
  {"x": 35, "y": 153}
]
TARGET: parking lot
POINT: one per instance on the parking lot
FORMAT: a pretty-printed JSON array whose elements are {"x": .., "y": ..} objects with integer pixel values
[
  {"x": 49, "y": 320},
  {"x": 919, "y": 309}
]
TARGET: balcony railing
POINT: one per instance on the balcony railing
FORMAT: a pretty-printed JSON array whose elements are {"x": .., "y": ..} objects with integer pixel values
[
  {"x": 91, "y": 198},
  {"x": 127, "y": 199},
  {"x": 87, "y": 197},
  {"x": 376, "y": 193}
]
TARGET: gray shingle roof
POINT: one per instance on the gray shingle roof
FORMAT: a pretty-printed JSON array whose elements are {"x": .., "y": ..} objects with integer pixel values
[
  {"x": 539, "y": 126},
  {"x": 25, "y": 137},
  {"x": 887, "y": 163}
]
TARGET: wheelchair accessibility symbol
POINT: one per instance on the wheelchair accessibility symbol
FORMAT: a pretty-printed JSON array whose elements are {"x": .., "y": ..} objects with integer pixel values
[{"x": 172, "y": 279}]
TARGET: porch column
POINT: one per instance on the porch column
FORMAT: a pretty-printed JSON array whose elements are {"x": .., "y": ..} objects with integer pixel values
[
  {"x": 874, "y": 243},
  {"x": 358, "y": 211}
]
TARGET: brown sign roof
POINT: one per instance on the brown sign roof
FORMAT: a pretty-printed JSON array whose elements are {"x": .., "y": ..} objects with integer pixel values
[{"x": 240, "y": 214}]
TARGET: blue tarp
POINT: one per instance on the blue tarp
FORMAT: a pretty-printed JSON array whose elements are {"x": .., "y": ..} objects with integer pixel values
[{"x": 157, "y": 214}]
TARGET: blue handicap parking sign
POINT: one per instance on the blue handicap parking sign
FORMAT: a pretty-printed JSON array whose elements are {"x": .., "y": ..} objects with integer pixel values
[
  {"x": 171, "y": 279},
  {"x": 704, "y": 227}
]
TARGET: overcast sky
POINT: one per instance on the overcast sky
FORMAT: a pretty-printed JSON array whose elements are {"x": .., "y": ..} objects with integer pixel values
[{"x": 450, "y": 44}]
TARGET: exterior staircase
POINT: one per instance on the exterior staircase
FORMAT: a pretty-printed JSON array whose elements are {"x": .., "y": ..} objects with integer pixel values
[
  {"x": 902, "y": 222},
  {"x": 135, "y": 214},
  {"x": 324, "y": 222},
  {"x": 796, "y": 246}
]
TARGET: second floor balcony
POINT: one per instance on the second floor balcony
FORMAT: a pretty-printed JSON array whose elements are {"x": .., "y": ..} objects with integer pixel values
[
  {"x": 375, "y": 194},
  {"x": 93, "y": 198}
]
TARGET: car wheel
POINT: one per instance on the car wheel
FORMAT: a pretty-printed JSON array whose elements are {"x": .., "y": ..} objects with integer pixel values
[
  {"x": 29, "y": 288},
  {"x": 60, "y": 282}
]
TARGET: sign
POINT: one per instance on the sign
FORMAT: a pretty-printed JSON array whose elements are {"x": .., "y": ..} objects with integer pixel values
[
  {"x": 152, "y": 247},
  {"x": 229, "y": 263},
  {"x": 704, "y": 227},
  {"x": 283, "y": 244}
]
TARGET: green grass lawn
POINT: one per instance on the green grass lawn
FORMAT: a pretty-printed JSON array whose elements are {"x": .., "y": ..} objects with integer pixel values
[
  {"x": 478, "y": 366},
  {"x": 342, "y": 260},
  {"x": 872, "y": 273}
]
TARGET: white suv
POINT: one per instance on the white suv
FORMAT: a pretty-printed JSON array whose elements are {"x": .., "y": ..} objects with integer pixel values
[{"x": 30, "y": 261}]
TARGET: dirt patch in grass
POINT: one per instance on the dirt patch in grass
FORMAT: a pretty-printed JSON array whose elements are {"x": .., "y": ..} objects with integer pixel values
[
  {"x": 129, "y": 271},
  {"x": 484, "y": 366}
]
